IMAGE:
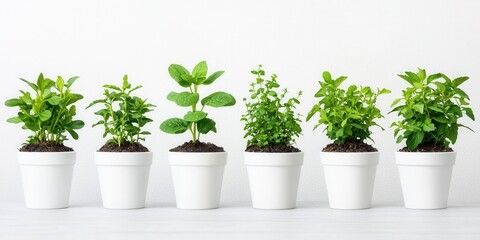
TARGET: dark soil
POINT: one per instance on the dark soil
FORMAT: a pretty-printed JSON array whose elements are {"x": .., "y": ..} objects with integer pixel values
[
  {"x": 350, "y": 146},
  {"x": 272, "y": 148},
  {"x": 197, "y": 147},
  {"x": 45, "y": 147},
  {"x": 428, "y": 147},
  {"x": 125, "y": 147}
]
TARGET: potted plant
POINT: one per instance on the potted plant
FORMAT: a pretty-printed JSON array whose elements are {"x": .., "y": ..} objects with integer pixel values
[
  {"x": 349, "y": 163},
  {"x": 271, "y": 126},
  {"x": 430, "y": 109},
  {"x": 197, "y": 167},
  {"x": 46, "y": 164},
  {"x": 123, "y": 163}
]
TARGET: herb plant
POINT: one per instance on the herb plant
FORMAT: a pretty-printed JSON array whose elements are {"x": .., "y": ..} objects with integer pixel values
[
  {"x": 195, "y": 120},
  {"x": 123, "y": 115},
  {"x": 348, "y": 114},
  {"x": 49, "y": 112},
  {"x": 270, "y": 118},
  {"x": 430, "y": 108}
]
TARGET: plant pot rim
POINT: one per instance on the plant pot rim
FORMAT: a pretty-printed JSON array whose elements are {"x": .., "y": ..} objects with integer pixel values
[
  {"x": 350, "y": 153},
  {"x": 204, "y": 159},
  {"x": 349, "y": 158},
  {"x": 273, "y": 159},
  {"x": 46, "y": 158},
  {"x": 425, "y": 158},
  {"x": 123, "y": 158}
]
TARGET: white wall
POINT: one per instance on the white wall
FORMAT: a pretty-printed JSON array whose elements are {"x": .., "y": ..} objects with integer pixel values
[{"x": 369, "y": 41}]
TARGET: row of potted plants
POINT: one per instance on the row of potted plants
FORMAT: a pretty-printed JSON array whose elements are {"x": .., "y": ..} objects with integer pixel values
[{"x": 429, "y": 108}]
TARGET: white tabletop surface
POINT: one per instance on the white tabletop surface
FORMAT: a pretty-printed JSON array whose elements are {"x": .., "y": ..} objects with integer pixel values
[{"x": 239, "y": 221}]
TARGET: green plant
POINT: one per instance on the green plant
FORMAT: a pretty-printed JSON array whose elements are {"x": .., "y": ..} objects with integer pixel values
[
  {"x": 346, "y": 114},
  {"x": 430, "y": 107},
  {"x": 195, "y": 120},
  {"x": 49, "y": 113},
  {"x": 270, "y": 118},
  {"x": 123, "y": 115}
]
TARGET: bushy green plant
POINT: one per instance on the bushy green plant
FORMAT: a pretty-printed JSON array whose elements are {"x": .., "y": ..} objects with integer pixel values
[
  {"x": 270, "y": 118},
  {"x": 123, "y": 115},
  {"x": 49, "y": 112},
  {"x": 347, "y": 114},
  {"x": 195, "y": 120},
  {"x": 430, "y": 108}
]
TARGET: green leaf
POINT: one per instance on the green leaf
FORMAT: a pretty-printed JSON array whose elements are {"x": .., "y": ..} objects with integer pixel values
[
  {"x": 73, "y": 133},
  {"x": 458, "y": 81},
  {"x": 174, "y": 126},
  {"x": 213, "y": 77},
  {"x": 415, "y": 139},
  {"x": 340, "y": 80},
  {"x": 194, "y": 116},
  {"x": 60, "y": 83},
  {"x": 176, "y": 72},
  {"x": 71, "y": 80},
  {"x": 14, "y": 120},
  {"x": 469, "y": 113},
  {"x": 45, "y": 115},
  {"x": 185, "y": 99},
  {"x": 113, "y": 87},
  {"x": 55, "y": 100},
  {"x": 418, "y": 107},
  {"x": 13, "y": 102},
  {"x": 327, "y": 76},
  {"x": 76, "y": 124},
  {"x": 32, "y": 85},
  {"x": 206, "y": 125},
  {"x": 396, "y": 101},
  {"x": 219, "y": 99},
  {"x": 44, "y": 83},
  {"x": 200, "y": 70}
]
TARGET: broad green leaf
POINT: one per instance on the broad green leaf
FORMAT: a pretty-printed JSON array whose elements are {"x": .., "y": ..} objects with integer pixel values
[
  {"x": 396, "y": 101},
  {"x": 200, "y": 70},
  {"x": 206, "y": 125},
  {"x": 45, "y": 115},
  {"x": 340, "y": 80},
  {"x": 469, "y": 113},
  {"x": 194, "y": 116},
  {"x": 213, "y": 77},
  {"x": 418, "y": 107},
  {"x": 73, "y": 98},
  {"x": 14, "y": 120},
  {"x": 327, "y": 77},
  {"x": 176, "y": 72},
  {"x": 219, "y": 99},
  {"x": 73, "y": 133},
  {"x": 76, "y": 124},
  {"x": 384, "y": 91},
  {"x": 13, "y": 102},
  {"x": 421, "y": 74},
  {"x": 415, "y": 139},
  {"x": 55, "y": 100},
  {"x": 186, "y": 99},
  {"x": 113, "y": 87},
  {"x": 44, "y": 83},
  {"x": 458, "y": 81},
  {"x": 433, "y": 77},
  {"x": 174, "y": 126}
]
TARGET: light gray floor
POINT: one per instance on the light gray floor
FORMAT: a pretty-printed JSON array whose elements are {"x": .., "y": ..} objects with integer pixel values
[{"x": 240, "y": 221}]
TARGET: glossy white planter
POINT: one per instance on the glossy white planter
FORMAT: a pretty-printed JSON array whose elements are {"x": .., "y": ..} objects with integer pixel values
[
  {"x": 123, "y": 178},
  {"x": 274, "y": 179},
  {"x": 46, "y": 178},
  {"x": 350, "y": 178},
  {"x": 197, "y": 178},
  {"x": 425, "y": 178}
]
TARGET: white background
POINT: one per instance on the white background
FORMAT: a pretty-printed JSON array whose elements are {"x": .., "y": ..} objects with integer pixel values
[{"x": 369, "y": 41}]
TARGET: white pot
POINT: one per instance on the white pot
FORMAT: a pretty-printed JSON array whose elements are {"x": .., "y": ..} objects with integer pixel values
[
  {"x": 197, "y": 178},
  {"x": 425, "y": 178},
  {"x": 123, "y": 178},
  {"x": 350, "y": 178},
  {"x": 274, "y": 179},
  {"x": 46, "y": 178}
]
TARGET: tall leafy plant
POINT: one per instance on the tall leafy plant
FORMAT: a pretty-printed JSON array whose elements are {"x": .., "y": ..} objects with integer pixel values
[
  {"x": 270, "y": 118},
  {"x": 348, "y": 114},
  {"x": 196, "y": 121},
  {"x": 430, "y": 108},
  {"x": 123, "y": 115},
  {"x": 49, "y": 111}
]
